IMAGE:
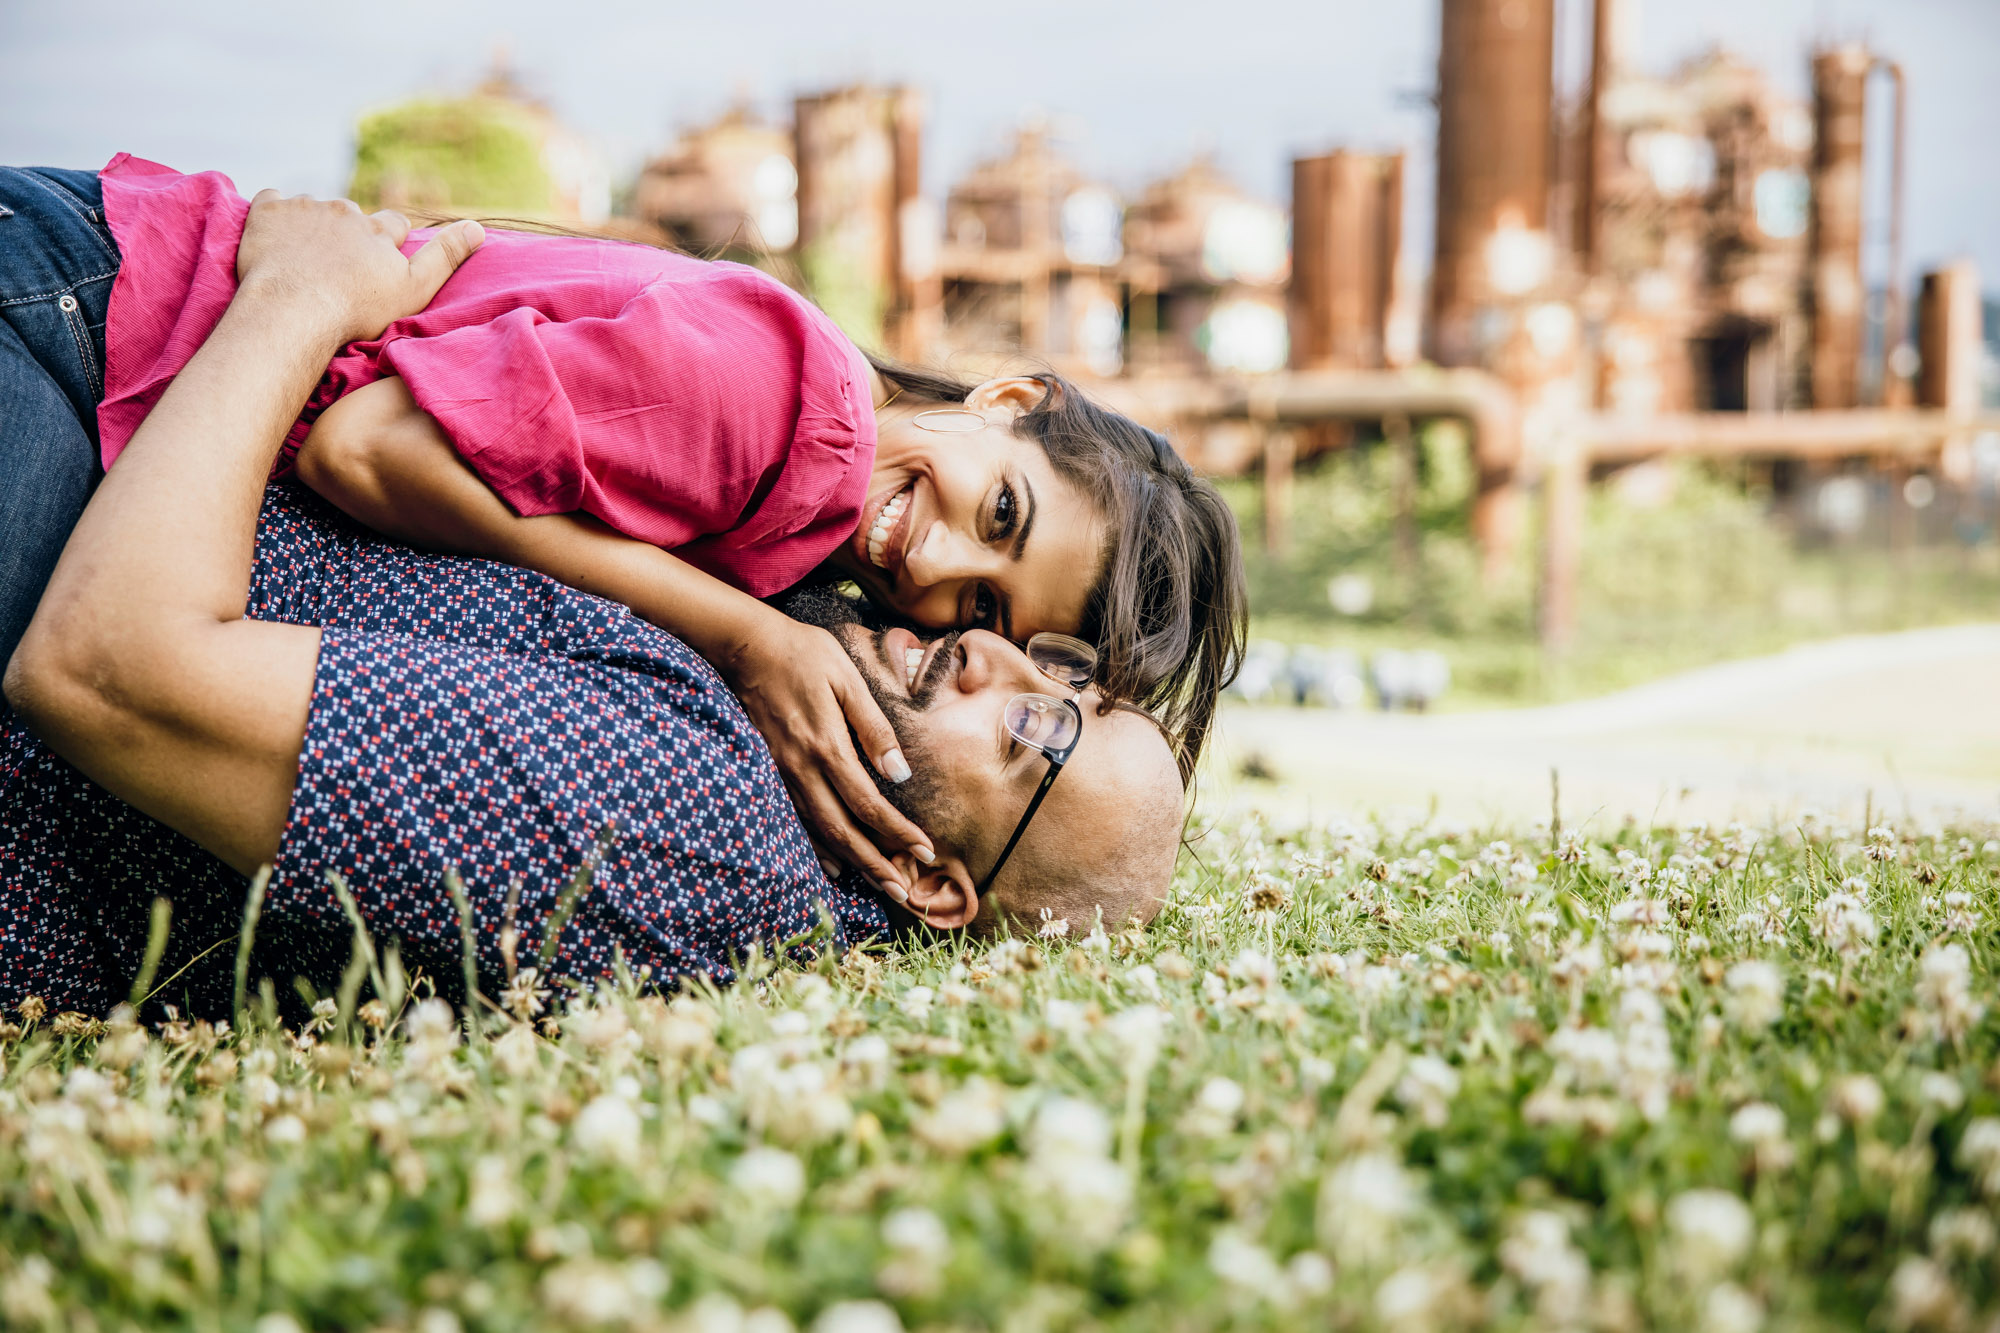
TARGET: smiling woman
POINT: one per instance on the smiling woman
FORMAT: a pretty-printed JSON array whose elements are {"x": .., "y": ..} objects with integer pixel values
[{"x": 1098, "y": 530}]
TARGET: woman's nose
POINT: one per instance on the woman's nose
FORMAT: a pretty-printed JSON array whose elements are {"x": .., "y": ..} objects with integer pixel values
[{"x": 944, "y": 557}]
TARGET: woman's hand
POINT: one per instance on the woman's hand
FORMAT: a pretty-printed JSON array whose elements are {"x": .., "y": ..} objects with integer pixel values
[
  {"x": 344, "y": 265},
  {"x": 803, "y": 693}
]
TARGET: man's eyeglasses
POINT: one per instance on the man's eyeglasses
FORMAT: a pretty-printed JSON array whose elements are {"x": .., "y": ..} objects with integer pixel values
[{"x": 1046, "y": 724}]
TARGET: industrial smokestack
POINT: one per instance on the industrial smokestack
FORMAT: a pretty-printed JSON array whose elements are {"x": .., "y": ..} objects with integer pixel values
[
  {"x": 1495, "y": 85},
  {"x": 1834, "y": 298}
]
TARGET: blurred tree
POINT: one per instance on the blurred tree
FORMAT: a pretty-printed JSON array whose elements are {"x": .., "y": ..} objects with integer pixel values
[{"x": 470, "y": 154}]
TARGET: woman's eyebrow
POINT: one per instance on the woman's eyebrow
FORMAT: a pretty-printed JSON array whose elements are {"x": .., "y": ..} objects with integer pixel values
[{"x": 1027, "y": 520}]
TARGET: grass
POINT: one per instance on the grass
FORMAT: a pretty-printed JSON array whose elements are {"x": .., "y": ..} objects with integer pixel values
[
  {"x": 1706, "y": 573},
  {"x": 1407, "y": 1078}
]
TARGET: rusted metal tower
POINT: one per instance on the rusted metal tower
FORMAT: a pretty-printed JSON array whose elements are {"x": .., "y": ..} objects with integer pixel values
[
  {"x": 1347, "y": 232},
  {"x": 1495, "y": 89},
  {"x": 858, "y": 154},
  {"x": 1840, "y": 81},
  {"x": 1948, "y": 338}
]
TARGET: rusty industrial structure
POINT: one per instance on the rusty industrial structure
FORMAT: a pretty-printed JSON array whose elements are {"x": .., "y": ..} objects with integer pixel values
[{"x": 1645, "y": 265}]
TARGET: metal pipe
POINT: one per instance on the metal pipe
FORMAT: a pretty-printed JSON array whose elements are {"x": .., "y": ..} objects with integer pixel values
[{"x": 1893, "y": 387}]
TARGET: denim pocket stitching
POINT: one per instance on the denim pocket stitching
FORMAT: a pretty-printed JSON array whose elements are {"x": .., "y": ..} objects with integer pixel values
[
  {"x": 79, "y": 329},
  {"x": 60, "y": 291},
  {"x": 86, "y": 213}
]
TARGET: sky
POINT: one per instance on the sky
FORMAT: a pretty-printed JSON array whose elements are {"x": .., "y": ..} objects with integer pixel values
[{"x": 270, "y": 90}]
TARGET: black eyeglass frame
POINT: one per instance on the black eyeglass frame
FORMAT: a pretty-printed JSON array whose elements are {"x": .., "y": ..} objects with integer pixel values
[{"x": 1056, "y": 758}]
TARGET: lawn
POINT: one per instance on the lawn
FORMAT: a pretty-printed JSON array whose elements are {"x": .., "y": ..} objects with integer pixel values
[
  {"x": 1409, "y": 1078},
  {"x": 1697, "y": 565}
]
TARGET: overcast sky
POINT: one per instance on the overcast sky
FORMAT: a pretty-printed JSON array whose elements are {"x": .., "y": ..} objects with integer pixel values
[{"x": 269, "y": 90}]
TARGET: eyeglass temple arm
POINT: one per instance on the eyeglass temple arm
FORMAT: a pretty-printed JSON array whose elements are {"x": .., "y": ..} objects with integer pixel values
[{"x": 1048, "y": 780}]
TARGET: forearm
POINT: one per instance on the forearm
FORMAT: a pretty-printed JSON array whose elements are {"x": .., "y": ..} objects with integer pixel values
[
  {"x": 384, "y": 462},
  {"x": 139, "y": 668}
]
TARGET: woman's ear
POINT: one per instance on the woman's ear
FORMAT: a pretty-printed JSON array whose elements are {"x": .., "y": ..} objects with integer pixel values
[
  {"x": 941, "y": 894},
  {"x": 1019, "y": 393}
]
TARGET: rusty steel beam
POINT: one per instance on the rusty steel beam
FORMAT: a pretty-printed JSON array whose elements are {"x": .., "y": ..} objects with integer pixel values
[{"x": 1882, "y": 432}]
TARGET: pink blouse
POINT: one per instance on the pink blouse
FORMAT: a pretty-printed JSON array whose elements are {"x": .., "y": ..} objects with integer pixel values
[{"x": 703, "y": 407}]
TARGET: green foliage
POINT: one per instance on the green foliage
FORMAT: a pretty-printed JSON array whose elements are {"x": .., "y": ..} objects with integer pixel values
[
  {"x": 1706, "y": 574},
  {"x": 1373, "y": 1077},
  {"x": 839, "y": 283},
  {"x": 470, "y": 154}
]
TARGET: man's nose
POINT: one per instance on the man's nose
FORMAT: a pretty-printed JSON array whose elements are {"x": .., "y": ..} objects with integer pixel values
[{"x": 991, "y": 662}]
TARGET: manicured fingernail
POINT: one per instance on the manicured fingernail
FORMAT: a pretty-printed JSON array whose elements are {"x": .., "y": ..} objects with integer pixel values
[
  {"x": 924, "y": 854},
  {"x": 895, "y": 767},
  {"x": 895, "y": 891}
]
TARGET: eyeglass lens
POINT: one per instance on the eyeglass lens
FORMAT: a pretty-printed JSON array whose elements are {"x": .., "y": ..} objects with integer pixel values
[
  {"x": 1039, "y": 722},
  {"x": 1062, "y": 658}
]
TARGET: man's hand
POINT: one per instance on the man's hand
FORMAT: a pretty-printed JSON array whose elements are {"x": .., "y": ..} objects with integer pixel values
[
  {"x": 345, "y": 264},
  {"x": 804, "y": 694}
]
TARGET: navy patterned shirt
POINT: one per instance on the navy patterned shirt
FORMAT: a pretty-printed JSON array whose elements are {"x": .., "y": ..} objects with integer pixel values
[{"x": 465, "y": 715}]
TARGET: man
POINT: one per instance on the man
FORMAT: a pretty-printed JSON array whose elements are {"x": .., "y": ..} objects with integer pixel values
[{"x": 385, "y": 716}]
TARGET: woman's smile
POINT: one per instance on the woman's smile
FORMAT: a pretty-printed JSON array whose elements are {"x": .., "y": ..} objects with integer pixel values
[{"x": 887, "y": 537}]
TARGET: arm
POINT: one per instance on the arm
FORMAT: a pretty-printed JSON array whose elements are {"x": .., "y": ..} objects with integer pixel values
[
  {"x": 139, "y": 667},
  {"x": 387, "y": 463}
]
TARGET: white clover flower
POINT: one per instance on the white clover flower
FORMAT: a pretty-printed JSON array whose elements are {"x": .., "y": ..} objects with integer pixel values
[
  {"x": 1962, "y": 1234},
  {"x": 600, "y": 1027},
  {"x": 1921, "y": 1295},
  {"x": 1242, "y": 1262},
  {"x": 492, "y": 1198},
  {"x": 1979, "y": 1152},
  {"x": 607, "y": 1129},
  {"x": 586, "y": 1291},
  {"x": 1756, "y": 993},
  {"x": 917, "y": 1231},
  {"x": 858, "y": 1317},
  {"x": 286, "y": 1129},
  {"x": 1406, "y": 1299},
  {"x": 1254, "y": 968},
  {"x": 1757, "y": 1123},
  {"x": 1540, "y": 1255},
  {"x": 1144, "y": 979},
  {"x": 1053, "y": 927},
  {"x": 769, "y": 1178},
  {"x": 1138, "y": 1032},
  {"x": 1587, "y": 1057},
  {"x": 1845, "y": 925},
  {"x": 1215, "y": 1108},
  {"x": 1427, "y": 1088},
  {"x": 916, "y": 1002},
  {"x": 864, "y": 1062},
  {"x": 1712, "y": 1230},
  {"x": 1856, "y": 1098},
  {"x": 1944, "y": 989},
  {"x": 1067, "y": 1128},
  {"x": 1360, "y": 1201},
  {"x": 1941, "y": 1090},
  {"x": 963, "y": 1120},
  {"x": 1308, "y": 1275},
  {"x": 430, "y": 1020},
  {"x": 275, "y": 1322},
  {"x": 1730, "y": 1309}
]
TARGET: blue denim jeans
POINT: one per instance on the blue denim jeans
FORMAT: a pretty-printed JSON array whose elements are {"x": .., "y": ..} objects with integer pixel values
[{"x": 57, "y": 260}]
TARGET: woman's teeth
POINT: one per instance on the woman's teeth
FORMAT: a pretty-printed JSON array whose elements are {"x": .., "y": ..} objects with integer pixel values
[
  {"x": 913, "y": 658},
  {"x": 885, "y": 523}
]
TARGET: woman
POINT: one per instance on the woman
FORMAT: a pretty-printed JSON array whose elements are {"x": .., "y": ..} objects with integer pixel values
[{"x": 679, "y": 436}]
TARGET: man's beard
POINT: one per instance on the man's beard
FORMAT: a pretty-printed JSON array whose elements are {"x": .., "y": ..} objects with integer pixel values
[{"x": 922, "y": 798}]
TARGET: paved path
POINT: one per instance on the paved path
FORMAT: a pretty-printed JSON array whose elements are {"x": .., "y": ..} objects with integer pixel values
[{"x": 1909, "y": 722}]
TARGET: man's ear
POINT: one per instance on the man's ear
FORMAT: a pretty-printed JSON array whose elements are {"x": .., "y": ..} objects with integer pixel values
[
  {"x": 941, "y": 894},
  {"x": 1019, "y": 393}
]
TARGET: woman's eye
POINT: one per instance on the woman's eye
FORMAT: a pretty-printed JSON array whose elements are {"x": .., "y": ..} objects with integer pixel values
[
  {"x": 984, "y": 608},
  {"x": 1006, "y": 510}
]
